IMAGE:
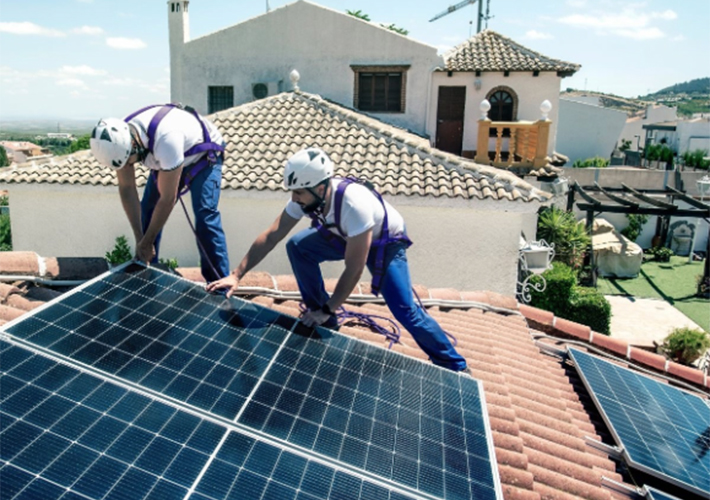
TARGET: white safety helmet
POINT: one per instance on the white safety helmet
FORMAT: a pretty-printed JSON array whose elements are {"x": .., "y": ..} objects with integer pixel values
[
  {"x": 307, "y": 168},
  {"x": 111, "y": 143}
]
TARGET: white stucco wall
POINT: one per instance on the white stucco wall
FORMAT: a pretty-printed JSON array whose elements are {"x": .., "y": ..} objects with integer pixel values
[
  {"x": 634, "y": 126},
  {"x": 586, "y": 131},
  {"x": 531, "y": 91},
  {"x": 457, "y": 244},
  {"x": 692, "y": 135},
  {"x": 320, "y": 43}
]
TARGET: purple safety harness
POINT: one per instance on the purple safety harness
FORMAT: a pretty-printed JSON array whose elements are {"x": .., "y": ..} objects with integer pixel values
[
  {"x": 380, "y": 244},
  {"x": 212, "y": 148}
]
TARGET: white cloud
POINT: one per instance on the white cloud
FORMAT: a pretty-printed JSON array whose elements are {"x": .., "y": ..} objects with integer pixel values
[
  {"x": 678, "y": 38},
  {"x": 88, "y": 30},
  {"x": 72, "y": 82},
  {"x": 27, "y": 28},
  {"x": 537, "y": 35},
  {"x": 667, "y": 15},
  {"x": 125, "y": 43},
  {"x": 630, "y": 22},
  {"x": 577, "y": 3},
  {"x": 82, "y": 70}
]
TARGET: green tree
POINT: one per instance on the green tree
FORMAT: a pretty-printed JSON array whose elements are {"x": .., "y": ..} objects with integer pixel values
[
  {"x": 625, "y": 145},
  {"x": 4, "y": 162},
  {"x": 80, "y": 144},
  {"x": 121, "y": 252},
  {"x": 696, "y": 159}
]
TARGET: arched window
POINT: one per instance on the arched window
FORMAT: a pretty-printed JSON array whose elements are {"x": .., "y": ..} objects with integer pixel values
[
  {"x": 501, "y": 106},
  {"x": 504, "y": 107}
]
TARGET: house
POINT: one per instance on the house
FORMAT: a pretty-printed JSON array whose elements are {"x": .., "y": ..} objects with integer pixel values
[
  {"x": 464, "y": 217},
  {"x": 681, "y": 136},
  {"x": 375, "y": 71},
  {"x": 587, "y": 130},
  {"x": 513, "y": 79},
  {"x": 549, "y": 440},
  {"x": 372, "y": 69},
  {"x": 22, "y": 151},
  {"x": 654, "y": 113}
]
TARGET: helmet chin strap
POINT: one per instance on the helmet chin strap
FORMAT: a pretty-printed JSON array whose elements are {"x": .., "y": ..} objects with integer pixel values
[{"x": 319, "y": 202}]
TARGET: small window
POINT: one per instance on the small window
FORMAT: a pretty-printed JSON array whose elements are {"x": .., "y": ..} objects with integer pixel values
[
  {"x": 380, "y": 88},
  {"x": 220, "y": 98}
]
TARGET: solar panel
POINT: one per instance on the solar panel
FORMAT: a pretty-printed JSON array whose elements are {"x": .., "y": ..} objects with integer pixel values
[
  {"x": 662, "y": 430},
  {"x": 144, "y": 379}
]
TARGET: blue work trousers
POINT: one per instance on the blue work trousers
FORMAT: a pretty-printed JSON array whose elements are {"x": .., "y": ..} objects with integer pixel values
[
  {"x": 204, "y": 192},
  {"x": 307, "y": 249}
]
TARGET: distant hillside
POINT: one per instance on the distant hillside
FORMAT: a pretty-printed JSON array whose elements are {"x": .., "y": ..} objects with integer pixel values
[{"x": 697, "y": 86}]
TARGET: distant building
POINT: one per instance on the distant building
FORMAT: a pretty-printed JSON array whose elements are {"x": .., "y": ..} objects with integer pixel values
[
  {"x": 61, "y": 135},
  {"x": 23, "y": 151},
  {"x": 634, "y": 128}
]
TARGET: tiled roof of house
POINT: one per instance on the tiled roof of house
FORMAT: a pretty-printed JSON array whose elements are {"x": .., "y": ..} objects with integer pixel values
[
  {"x": 490, "y": 51},
  {"x": 538, "y": 410},
  {"x": 262, "y": 135}
]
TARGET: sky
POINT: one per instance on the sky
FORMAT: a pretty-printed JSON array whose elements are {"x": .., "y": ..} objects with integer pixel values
[{"x": 84, "y": 59}]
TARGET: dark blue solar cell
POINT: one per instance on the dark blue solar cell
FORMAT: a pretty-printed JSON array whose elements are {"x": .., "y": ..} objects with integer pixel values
[
  {"x": 317, "y": 479},
  {"x": 129, "y": 407},
  {"x": 217, "y": 481},
  {"x": 206, "y": 437},
  {"x": 9, "y": 385},
  {"x": 32, "y": 368},
  {"x": 181, "y": 387},
  {"x": 16, "y": 438},
  {"x": 69, "y": 343},
  {"x": 49, "y": 411},
  {"x": 155, "y": 416},
  {"x": 304, "y": 433},
  {"x": 249, "y": 485},
  {"x": 130, "y": 444},
  {"x": 105, "y": 397},
  {"x": 39, "y": 488},
  {"x": 165, "y": 490},
  {"x": 70, "y": 465},
  {"x": 12, "y": 356},
  {"x": 205, "y": 396},
  {"x": 102, "y": 434},
  {"x": 328, "y": 442},
  {"x": 158, "y": 378},
  {"x": 135, "y": 370},
  {"x": 345, "y": 487},
  {"x": 133, "y": 485},
  {"x": 56, "y": 377},
  {"x": 134, "y": 344},
  {"x": 80, "y": 387},
  {"x": 354, "y": 452},
  {"x": 24, "y": 401},
  {"x": 76, "y": 422},
  {"x": 157, "y": 457},
  {"x": 186, "y": 466},
  {"x": 180, "y": 427},
  {"x": 100, "y": 477},
  {"x": 13, "y": 480}
]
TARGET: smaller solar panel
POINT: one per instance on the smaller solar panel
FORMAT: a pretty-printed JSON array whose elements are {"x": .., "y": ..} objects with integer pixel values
[{"x": 662, "y": 430}]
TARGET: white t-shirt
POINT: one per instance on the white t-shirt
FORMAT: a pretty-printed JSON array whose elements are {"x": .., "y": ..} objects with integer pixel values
[
  {"x": 177, "y": 132},
  {"x": 361, "y": 210}
]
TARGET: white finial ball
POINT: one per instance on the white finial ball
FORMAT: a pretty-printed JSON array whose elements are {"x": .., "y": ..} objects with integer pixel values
[
  {"x": 485, "y": 107},
  {"x": 545, "y": 107},
  {"x": 294, "y": 76}
]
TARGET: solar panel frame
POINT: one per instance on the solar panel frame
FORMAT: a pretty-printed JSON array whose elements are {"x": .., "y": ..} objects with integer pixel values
[
  {"x": 615, "y": 413},
  {"x": 655, "y": 494},
  {"x": 90, "y": 355}
]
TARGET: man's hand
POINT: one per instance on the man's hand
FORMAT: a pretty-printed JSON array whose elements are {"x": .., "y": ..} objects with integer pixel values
[
  {"x": 230, "y": 282},
  {"x": 314, "y": 318},
  {"x": 145, "y": 251}
]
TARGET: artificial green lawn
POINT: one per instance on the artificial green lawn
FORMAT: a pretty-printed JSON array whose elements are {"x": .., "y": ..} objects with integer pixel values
[{"x": 675, "y": 282}]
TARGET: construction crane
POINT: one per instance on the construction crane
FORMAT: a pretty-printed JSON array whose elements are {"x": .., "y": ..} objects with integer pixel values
[{"x": 460, "y": 5}]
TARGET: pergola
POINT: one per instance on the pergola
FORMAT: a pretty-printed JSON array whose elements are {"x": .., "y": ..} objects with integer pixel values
[{"x": 595, "y": 200}]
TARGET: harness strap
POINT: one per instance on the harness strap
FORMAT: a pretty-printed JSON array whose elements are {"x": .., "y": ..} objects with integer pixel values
[
  {"x": 206, "y": 146},
  {"x": 339, "y": 242}
]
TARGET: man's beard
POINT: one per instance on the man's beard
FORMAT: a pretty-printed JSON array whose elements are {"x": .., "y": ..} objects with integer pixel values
[{"x": 312, "y": 207}]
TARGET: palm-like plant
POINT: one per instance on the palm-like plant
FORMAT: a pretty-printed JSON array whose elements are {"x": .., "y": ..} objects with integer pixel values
[{"x": 571, "y": 239}]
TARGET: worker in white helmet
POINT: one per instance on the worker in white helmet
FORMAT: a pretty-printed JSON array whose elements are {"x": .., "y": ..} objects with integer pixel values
[
  {"x": 184, "y": 152},
  {"x": 351, "y": 222}
]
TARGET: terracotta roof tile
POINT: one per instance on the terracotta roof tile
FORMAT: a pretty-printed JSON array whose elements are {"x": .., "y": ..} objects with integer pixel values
[
  {"x": 261, "y": 135},
  {"x": 490, "y": 51}
]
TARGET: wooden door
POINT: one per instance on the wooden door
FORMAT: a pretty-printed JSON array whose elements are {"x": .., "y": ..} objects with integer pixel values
[{"x": 449, "y": 119}]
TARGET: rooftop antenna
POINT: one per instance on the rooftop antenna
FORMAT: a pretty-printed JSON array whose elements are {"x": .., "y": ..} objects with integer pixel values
[
  {"x": 267, "y": 6},
  {"x": 454, "y": 8}
]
